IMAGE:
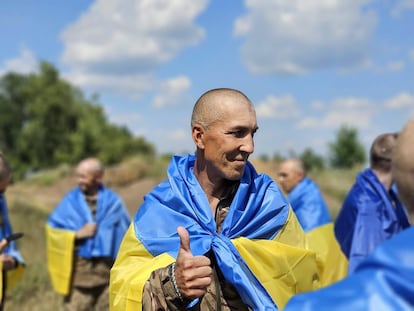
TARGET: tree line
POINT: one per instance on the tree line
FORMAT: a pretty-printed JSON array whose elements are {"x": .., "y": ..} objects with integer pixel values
[
  {"x": 45, "y": 121},
  {"x": 344, "y": 153}
]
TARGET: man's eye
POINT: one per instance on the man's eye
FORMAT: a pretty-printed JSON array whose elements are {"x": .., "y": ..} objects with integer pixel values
[{"x": 237, "y": 133}]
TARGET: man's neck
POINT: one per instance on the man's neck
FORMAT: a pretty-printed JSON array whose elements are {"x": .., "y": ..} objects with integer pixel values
[{"x": 384, "y": 178}]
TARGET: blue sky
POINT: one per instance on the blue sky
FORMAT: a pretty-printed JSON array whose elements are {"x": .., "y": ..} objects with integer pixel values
[{"x": 309, "y": 66}]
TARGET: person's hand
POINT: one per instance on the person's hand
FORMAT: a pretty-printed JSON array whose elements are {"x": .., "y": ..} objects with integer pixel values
[
  {"x": 87, "y": 231},
  {"x": 3, "y": 244},
  {"x": 8, "y": 261},
  {"x": 192, "y": 273}
]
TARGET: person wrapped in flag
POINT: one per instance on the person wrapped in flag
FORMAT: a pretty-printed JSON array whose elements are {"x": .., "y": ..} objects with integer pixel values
[
  {"x": 83, "y": 233},
  {"x": 384, "y": 279},
  {"x": 313, "y": 214},
  {"x": 372, "y": 211},
  {"x": 215, "y": 235},
  {"x": 11, "y": 261}
]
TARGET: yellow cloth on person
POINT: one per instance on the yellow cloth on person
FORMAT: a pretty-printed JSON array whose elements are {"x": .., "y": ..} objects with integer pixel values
[
  {"x": 332, "y": 263},
  {"x": 60, "y": 250},
  {"x": 283, "y": 266},
  {"x": 13, "y": 276}
]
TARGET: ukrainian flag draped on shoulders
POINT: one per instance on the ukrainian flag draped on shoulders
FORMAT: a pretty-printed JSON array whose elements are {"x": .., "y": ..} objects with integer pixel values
[
  {"x": 6, "y": 229},
  {"x": 261, "y": 248},
  {"x": 308, "y": 204},
  {"x": 71, "y": 214},
  {"x": 313, "y": 215},
  {"x": 370, "y": 214},
  {"x": 383, "y": 281}
]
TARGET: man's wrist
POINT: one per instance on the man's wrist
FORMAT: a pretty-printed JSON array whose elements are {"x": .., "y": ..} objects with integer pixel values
[
  {"x": 174, "y": 282},
  {"x": 170, "y": 291}
]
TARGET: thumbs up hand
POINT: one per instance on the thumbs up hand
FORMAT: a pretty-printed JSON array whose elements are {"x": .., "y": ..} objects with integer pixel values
[{"x": 192, "y": 273}]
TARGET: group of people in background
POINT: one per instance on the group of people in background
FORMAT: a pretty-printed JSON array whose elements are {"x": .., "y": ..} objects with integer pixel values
[{"x": 216, "y": 235}]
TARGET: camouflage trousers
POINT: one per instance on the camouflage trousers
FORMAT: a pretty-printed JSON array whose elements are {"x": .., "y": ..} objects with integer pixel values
[{"x": 87, "y": 299}]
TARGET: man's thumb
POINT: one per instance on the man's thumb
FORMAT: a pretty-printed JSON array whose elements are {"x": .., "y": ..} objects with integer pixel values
[{"x": 184, "y": 239}]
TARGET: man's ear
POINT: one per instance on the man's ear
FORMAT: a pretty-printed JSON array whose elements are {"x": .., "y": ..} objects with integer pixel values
[{"x": 198, "y": 134}]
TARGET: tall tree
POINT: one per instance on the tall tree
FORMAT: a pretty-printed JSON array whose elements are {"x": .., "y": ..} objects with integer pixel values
[
  {"x": 45, "y": 121},
  {"x": 347, "y": 151},
  {"x": 312, "y": 161}
]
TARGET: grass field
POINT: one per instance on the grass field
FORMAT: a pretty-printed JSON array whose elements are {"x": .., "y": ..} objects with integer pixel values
[{"x": 30, "y": 203}]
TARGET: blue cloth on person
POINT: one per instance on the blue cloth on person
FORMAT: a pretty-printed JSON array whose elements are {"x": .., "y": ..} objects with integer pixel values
[
  {"x": 258, "y": 211},
  {"x": 370, "y": 214},
  {"x": 383, "y": 281},
  {"x": 6, "y": 230},
  {"x": 112, "y": 219},
  {"x": 308, "y": 204}
]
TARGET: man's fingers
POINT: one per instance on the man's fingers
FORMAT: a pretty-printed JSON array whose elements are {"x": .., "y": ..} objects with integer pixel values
[
  {"x": 196, "y": 288},
  {"x": 184, "y": 239},
  {"x": 201, "y": 261}
]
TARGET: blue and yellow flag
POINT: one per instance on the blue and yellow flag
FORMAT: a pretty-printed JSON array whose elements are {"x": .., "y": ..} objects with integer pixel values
[
  {"x": 261, "y": 249},
  {"x": 313, "y": 214},
  {"x": 383, "y": 281},
  {"x": 308, "y": 204},
  {"x": 71, "y": 214}
]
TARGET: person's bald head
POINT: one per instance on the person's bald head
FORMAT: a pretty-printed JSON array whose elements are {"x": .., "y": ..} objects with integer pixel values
[
  {"x": 403, "y": 166},
  {"x": 290, "y": 173},
  {"x": 89, "y": 173},
  {"x": 223, "y": 125},
  {"x": 212, "y": 105}
]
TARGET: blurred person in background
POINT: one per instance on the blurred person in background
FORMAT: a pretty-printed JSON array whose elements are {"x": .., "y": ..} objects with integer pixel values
[
  {"x": 372, "y": 211},
  {"x": 384, "y": 280},
  {"x": 313, "y": 214},
  {"x": 303, "y": 194},
  {"x": 83, "y": 236},
  {"x": 11, "y": 261}
]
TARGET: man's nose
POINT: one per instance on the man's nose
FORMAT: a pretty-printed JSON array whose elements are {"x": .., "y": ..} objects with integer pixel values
[{"x": 248, "y": 144}]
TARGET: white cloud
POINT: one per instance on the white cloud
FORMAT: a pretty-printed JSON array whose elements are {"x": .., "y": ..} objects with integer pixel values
[
  {"x": 25, "y": 63},
  {"x": 356, "y": 112},
  {"x": 402, "y": 100},
  {"x": 401, "y": 6},
  {"x": 309, "y": 123},
  {"x": 172, "y": 92},
  {"x": 396, "y": 66},
  {"x": 129, "y": 38},
  {"x": 132, "y": 85},
  {"x": 129, "y": 119},
  {"x": 412, "y": 55},
  {"x": 297, "y": 36},
  {"x": 283, "y": 107},
  {"x": 318, "y": 105}
]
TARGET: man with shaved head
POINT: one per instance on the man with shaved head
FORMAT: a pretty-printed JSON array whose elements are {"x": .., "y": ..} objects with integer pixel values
[
  {"x": 384, "y": 279},
  {"x": 215, "y": 235},
  {"x": 83, "y": 236},
  {"x": 371, "y": 211},
  {"x": 303, "y": 194}
]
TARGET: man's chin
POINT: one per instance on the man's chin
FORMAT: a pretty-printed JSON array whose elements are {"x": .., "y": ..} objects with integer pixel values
[{"x": 236, "y": 174}]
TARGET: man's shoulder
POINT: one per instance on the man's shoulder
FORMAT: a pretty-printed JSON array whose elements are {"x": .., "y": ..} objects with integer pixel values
[
  {"x": 70, "y": 194},
  {"x": 109, "y": 191}
]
